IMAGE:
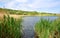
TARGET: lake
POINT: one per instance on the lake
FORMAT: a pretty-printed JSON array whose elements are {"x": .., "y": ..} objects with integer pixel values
[{"x": 29, "y": 23}]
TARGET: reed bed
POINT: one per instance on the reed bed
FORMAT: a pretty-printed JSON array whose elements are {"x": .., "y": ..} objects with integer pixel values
[
  {"x": 47, "y": 29},
  {"x": 10, "y": 27}
]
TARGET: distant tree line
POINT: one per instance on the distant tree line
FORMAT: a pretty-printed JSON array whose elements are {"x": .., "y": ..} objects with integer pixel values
[{"x": 20, "y": 12}]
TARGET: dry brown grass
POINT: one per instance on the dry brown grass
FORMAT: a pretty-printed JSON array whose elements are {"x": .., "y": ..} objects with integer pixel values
[
  {"x": 1, "y": 16},
  {"x": 11, "y": 15}
]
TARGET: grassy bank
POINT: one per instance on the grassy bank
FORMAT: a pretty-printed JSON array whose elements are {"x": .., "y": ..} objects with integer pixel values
[
  {"x": 10, "y": 27},
  {"x": 26, "y": 13},
  {"x": 47, "y": 29}
]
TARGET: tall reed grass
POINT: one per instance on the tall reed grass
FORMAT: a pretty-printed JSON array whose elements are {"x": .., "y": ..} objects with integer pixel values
[
  {"x": 10, "y": 27},
  {"x": 47, "y": 29}
]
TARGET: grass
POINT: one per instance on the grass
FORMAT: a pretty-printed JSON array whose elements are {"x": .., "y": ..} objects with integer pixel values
[
  {"x": 28, "y": 13},
  {"x": 10, "y": 27},
  {"x": 47, "y": 29}
]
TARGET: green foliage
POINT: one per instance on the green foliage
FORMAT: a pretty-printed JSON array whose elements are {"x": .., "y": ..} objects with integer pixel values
[
  {"x": 19, "y": 12},
  {"x": 10, "y": 27},
  {"x": 48, "y": 29}
]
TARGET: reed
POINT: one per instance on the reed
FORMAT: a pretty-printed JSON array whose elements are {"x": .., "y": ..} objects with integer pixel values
[
  {"x": 10, "y": 27},
  {"x": 47, "y": 29}
]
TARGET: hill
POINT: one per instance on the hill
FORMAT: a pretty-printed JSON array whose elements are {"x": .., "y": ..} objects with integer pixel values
[{"x": 21, "y": 12}]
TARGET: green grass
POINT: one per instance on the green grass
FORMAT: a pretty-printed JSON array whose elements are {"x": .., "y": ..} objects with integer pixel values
[
  {"x": 22, "y": 12},
  {"x": 10, "y": 27},
  {"x": 47, "y": 29}
]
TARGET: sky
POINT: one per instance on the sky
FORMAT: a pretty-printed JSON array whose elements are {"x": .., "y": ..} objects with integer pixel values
[{"x": 51, "y": 6}]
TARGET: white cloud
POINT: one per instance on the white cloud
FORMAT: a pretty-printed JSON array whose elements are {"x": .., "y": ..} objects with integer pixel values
[
  {"x": 0, "y": 0},
  {"x": 5, "y": 1},
  {"x": 10, "y": 4},
  {"x": 22, "y": 1},
  {"x": 34, "y": 5},
  {"x": 43, "y": 4},
  {"x": 31, "y": 5}
]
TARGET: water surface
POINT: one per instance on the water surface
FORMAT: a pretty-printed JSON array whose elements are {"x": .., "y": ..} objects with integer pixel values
[{"x": 29, "y": 23}]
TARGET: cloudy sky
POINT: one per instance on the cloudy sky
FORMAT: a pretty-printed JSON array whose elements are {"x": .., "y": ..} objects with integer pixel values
[{"x": 52, "y": 6}]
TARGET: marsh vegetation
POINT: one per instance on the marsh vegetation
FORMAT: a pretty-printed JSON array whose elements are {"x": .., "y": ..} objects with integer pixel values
[
  {"x": 47, "y": 29},
  {"x": 10, "y": 27}
]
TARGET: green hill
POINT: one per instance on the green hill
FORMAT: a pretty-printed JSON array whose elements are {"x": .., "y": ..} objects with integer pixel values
[{"x": 21, "y": 12}]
